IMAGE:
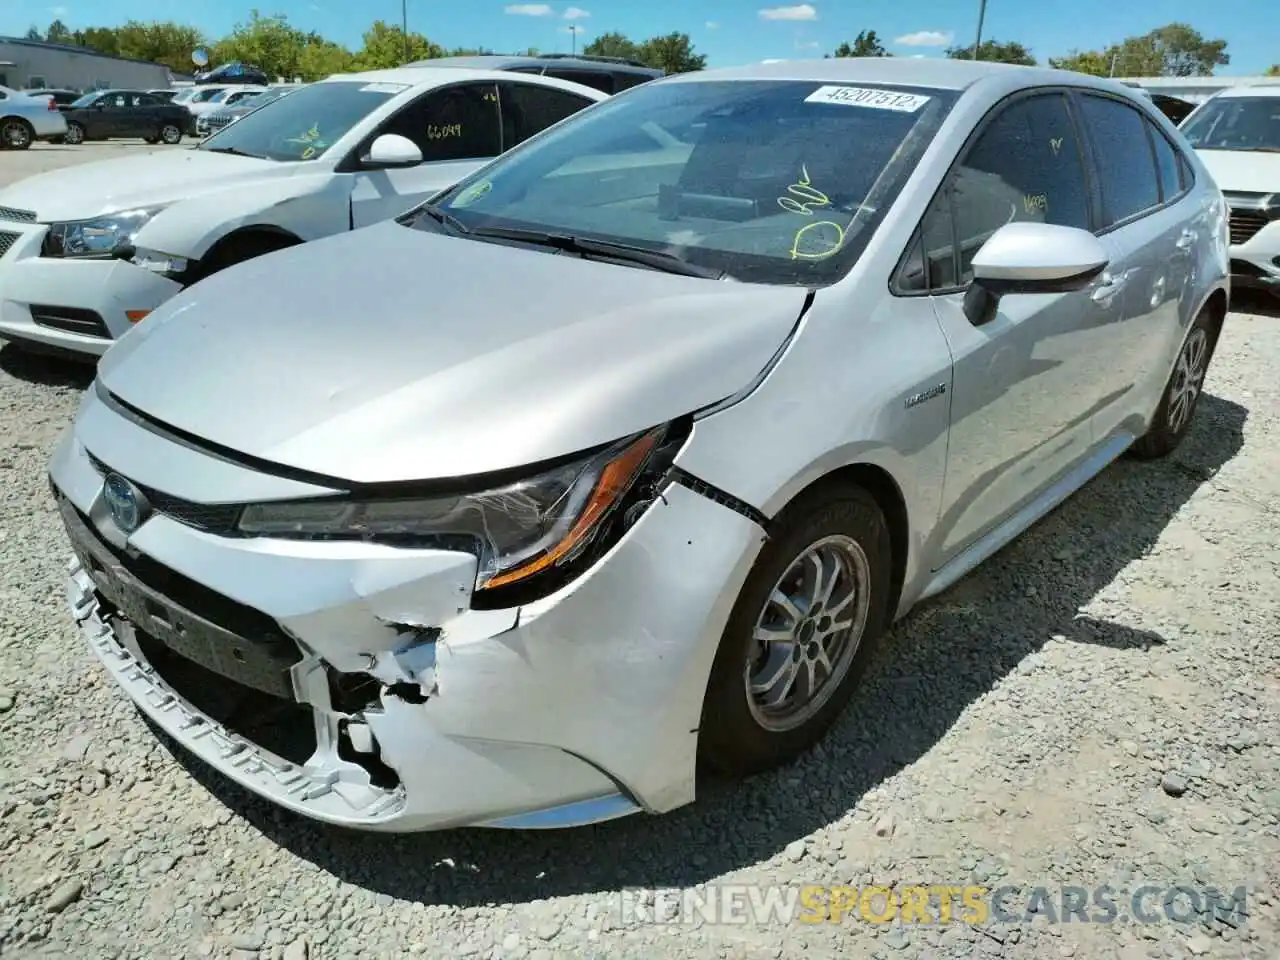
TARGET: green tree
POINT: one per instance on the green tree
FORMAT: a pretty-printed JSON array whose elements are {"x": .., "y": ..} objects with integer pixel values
[
  {"x": 58, "y": 32},
  {"x": 104, "y": 40},
  {"x": 271, "y": 43},
  {"x": 672, "y": 53},
  {"x": 1274, "y": 71},
  {"x": 995, "y": 51},
  {"x": 385, "y": 46},
  {"x": 1093, "y": 62},
  {"x": 33, "y": 33},
  {"x": 1174, "y": 50},
  {"x": 160, "y": 42},
  {"x": 321, "y": 58},
  {"x": 865, "y": 44},
  {"x": 612, "y": 45}
]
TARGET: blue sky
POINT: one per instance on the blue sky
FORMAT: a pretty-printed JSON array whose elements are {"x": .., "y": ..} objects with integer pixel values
[{"x": 728, "y": 31}]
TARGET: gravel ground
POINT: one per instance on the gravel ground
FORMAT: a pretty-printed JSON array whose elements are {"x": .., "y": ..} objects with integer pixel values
[{"x": 1098, "y": 705}]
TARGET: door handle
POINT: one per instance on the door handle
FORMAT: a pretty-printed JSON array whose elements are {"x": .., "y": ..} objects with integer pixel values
[{"x": 1108, "y": 286}]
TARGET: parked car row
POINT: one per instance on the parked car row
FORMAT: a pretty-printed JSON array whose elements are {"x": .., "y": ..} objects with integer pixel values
[{"x": 455, "y": 487}]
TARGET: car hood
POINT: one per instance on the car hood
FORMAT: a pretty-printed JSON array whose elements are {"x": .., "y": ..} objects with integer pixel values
[
  {"x": 1247, "y": 171},
  {"x": 391, "y": 354},
  {"x": 109, "y": 186}
]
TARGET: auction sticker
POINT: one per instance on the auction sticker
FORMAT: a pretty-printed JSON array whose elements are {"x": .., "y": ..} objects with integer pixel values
[{"x": 868, "y": 97}]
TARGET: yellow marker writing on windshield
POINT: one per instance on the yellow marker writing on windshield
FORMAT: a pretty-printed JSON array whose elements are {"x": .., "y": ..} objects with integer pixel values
[
  {"x": 812, "y": 234},
  {"x": 809, "y": 195}
]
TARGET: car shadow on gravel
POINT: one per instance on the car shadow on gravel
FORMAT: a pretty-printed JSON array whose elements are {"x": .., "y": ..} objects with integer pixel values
[
  {"x": 47, "y": 368},
  {"x": 937, "y": 662}
]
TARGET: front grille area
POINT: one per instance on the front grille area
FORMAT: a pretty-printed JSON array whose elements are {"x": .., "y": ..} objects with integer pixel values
[
  {"x": 1244, "y": 224},
  {"x": 198, "y": 624},
  {"x": 215, "y": 122},
  {"x": 14, "y": 215},
  {"x": 216, "y": 518},
  {"x": 7, "y": 240},
  {"x": 72, "y": 319}
]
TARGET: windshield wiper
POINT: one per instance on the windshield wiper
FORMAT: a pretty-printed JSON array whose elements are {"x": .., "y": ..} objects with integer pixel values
[
  {"x": 437, "y": 214},
  {"x": 666, "y": 262},
  {"x": 233, "y": 151}
]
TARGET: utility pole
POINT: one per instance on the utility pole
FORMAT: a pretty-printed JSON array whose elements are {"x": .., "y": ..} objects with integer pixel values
[
  {"x": 573, "y": 33},
  {"x": 982, "y": 15},
  {"x": 404, "y": 26}
]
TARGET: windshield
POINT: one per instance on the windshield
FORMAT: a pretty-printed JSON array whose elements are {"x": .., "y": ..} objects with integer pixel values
[
  {"x": 202, "y": 96},
  {"x": 764, "y": 181},
  {"x": 182, "y": 96},
  {"x": 87, "y": 99},
  {"x": 303, "y": 125},
  {"x": 1236, "y": 123}
]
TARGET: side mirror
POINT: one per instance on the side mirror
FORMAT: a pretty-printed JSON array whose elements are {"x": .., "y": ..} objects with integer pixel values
[
  {"x": 1031, "y": 258},
  {"x": 393, "y": 150}
]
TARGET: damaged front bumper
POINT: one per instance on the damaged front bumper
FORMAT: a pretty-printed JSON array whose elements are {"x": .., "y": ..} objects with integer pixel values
[{"x": 352, "y": 683}]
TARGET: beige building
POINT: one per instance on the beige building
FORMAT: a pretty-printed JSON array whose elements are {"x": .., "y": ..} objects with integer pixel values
[{"x": 56, "y": 66}]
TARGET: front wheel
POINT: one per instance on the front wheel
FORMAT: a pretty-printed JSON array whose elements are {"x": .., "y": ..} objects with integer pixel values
[
  {"x": 800, "y": 634},
  {"x": 170, "y": 134},
  {"x": 16, "y": 134},
  {"x": 1172, "y": 420},
  {"x": 75, "y": 133}
]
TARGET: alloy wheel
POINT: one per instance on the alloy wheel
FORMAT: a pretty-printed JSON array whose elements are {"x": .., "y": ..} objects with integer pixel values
[
  {"x": 74, "y": 134},
  {"x": 170, "y": 134},
  {"x": 1188, "y": 379},
  {"x": 807, "y": 634},
  {"x": 15, "y": 135}
]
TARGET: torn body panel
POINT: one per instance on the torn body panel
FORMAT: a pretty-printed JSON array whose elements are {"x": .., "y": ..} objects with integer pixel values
[{"x": 429, "y": 714}]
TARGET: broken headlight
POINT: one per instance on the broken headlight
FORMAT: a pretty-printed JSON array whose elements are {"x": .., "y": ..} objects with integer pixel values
[{"x": 520, "y": 530}]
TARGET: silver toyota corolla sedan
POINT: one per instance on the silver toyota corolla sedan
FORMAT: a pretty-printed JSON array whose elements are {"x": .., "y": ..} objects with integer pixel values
[{"x": 621, "y": 454}]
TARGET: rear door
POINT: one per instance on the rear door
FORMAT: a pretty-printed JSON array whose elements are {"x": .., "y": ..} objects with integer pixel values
[
  {"x": 144, "y": 116},
  {"x": 458, "y": 128},
  {"x": 529, "y": 108},
  {"x": 1149, "y": 235}
]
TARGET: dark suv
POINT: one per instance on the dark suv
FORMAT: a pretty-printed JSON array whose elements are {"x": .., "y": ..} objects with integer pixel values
[{"x": 607, "y": 74}]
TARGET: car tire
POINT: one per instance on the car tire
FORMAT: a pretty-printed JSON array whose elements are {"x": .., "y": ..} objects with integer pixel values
[
  {"x": 238, "y": 249},
  {"x": 75, "y": 134},
  {"x": 16, "y": 134},
  {"x": 835, "y": 527},
  {"x": 1176, "y": 412},
  {"x": 171, "y": 134}
]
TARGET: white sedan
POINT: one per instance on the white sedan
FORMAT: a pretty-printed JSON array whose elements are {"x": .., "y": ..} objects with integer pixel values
[{"x": 88, "y": 251}]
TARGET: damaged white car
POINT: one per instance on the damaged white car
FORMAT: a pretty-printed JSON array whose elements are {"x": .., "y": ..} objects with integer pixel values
[{"x": 621, "y": 453}]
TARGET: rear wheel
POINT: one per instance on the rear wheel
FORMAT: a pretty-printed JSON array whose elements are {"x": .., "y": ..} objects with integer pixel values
[
  {"x": 16, "y": 133},
  {"x": 801, "y": 633},
  {"x": 170, "y": 134},
  {"x": 75, "y": 133},
  {"x": 1172, "y": 420}
]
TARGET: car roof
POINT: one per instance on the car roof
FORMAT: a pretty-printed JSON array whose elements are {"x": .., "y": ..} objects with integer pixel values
[
  {"x": 424, "y": 78},
  {"x": 938, "y": 73},
  {"x": 1265, "y": 89},
  {"x": 496, "y": 61}
]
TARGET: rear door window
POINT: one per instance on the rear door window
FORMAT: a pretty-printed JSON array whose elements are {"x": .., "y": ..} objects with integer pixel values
[
  {"x": 528, "y": 109},
  {"x": 1129, "y": 179},
  {"x": 588, "y": 78}
]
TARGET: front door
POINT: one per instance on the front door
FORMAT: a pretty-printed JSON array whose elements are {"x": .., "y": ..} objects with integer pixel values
[
  {"x": 457, "y": 128},
  {"x": 1025, "y": 384}
]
